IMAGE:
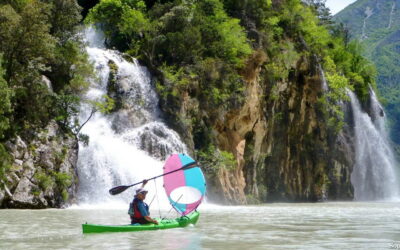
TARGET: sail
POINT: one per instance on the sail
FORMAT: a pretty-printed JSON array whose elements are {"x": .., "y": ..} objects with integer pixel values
[{"x": 185, "y": 189}]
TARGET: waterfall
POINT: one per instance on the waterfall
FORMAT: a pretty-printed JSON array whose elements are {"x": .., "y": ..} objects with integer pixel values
[
  {"x": 391, "y": 15},
  {"x": 324, "y": 83},
  {"x": 374, "y": 173},
  {"x": 128, "y": 145},
  {"x": 368, "y": 14}
]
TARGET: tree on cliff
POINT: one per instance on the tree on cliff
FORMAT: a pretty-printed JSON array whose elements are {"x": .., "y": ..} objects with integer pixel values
[
  {"x": 5, "y": 102},
  {"x": 43, "y": 72},
  {"x": 37, "y": 39}
]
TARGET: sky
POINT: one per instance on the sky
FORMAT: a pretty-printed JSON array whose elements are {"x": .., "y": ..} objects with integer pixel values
[{"x": 338, "y": 5}]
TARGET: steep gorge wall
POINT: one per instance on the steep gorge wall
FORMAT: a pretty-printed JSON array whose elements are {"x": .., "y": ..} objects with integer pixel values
[
  {"x": 283, "y": 146},
  {"x": 291, "y": 154}
]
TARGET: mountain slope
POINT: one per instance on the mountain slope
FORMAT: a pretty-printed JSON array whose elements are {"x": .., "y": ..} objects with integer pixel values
[{"x": 377, "y": 24}]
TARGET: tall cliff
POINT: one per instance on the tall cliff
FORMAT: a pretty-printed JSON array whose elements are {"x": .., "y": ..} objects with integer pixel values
[
  {"x": 245, "y": 84},
  {"x": 283, "y": 147}
]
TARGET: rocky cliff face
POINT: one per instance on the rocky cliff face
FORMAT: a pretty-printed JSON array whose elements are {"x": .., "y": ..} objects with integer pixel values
[
  {"x": 43, "y": 173},
  {"x": 283, "y": 147}
]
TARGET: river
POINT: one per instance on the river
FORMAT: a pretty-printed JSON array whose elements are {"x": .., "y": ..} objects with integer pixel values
[{"x": 331, "y": 225}]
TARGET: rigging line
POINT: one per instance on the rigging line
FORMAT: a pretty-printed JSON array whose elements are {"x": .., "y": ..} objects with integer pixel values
[
  {"x": 158, "y": 201},
  {"x": 172, "y": 206},
  {"x": 151, "y": 202}
]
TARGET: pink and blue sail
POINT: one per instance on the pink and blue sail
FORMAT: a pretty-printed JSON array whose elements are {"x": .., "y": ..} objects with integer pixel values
[{"x": 185, "y": 189}]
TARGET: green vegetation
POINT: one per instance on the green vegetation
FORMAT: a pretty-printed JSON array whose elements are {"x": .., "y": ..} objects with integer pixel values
[
  {"x": 5, "y": 163},
  {"x": 63, "y": 180},
  {"x": 39, "y": 46},
  {"x": 194, "y": 44},
  {"x": 44, "y": 180},
  {"x": 37, "y": 41},
  {"x": 380, "y": 37},
  {"x": 105, "y": 106},
  {"x": 213, "y": 160},
  {"x": 49, "y": 180},
  {"x": 5, "y": 103}
]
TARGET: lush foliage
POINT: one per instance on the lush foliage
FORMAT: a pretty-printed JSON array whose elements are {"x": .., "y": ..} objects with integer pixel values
[
  {"x": 5, "y": 103},
  {"x": 185, "y": 39},
  {"x": 38, "y": 44},
  {"x": 5, "y": 163},
  {"x": 214, "y": 160}
]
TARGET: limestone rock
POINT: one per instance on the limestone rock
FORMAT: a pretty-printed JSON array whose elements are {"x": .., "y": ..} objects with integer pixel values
[
  {"x": 32, "y": 180},
  {"x": 23, "y": 196},
  {"x": 16, "y": 147},
  {"x": 29, "y": 168},
  {"x": 283, "y": 146}
]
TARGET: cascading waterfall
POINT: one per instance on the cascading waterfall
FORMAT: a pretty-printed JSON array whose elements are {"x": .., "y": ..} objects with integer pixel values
[
  {"x": 374, "y": 174},
  {"x": 324, "y": 83},
  {"x": 128, "y": 145},
  {"x": 368, "y": 13},
  {"x": 391, "y": 15}
]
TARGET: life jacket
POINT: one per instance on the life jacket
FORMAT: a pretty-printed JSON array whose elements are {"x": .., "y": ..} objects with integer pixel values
[{"x": 134, "y": 211}]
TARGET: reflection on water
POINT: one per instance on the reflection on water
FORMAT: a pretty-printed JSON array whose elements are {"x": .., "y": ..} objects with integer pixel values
[{"x": 271, "y": 226}]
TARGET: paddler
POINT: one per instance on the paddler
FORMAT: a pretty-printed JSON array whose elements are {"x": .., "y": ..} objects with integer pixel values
[{"x": 138, "y": 209}]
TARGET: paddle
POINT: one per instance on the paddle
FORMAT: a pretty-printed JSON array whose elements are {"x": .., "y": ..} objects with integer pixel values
[{"x": 120, "y": 189}]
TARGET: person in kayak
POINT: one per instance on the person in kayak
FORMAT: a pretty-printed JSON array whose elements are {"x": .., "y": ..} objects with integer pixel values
[{"x": 138, "y": 209}]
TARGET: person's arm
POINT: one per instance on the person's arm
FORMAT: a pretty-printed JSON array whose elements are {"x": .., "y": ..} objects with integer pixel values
[
  {"x": 149, "y": 219},
  {"x": 145, "y": 213}
]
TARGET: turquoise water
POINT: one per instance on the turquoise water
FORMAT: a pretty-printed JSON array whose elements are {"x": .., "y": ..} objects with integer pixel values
[{"x": 270, "y": 226}]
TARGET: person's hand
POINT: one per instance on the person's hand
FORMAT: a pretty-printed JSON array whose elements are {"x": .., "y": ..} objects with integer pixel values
[
  {"x": 144, "y": 182},
  {"x": 155, "y": 222}
]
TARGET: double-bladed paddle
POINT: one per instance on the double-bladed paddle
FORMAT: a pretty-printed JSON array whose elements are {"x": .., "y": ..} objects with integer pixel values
[{"x": 120, "y": 189}]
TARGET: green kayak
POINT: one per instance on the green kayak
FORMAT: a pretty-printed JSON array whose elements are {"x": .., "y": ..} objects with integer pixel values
[{"x": 162, "y": 224}]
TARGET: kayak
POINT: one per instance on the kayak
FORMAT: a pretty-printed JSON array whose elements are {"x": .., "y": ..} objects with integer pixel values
[
  {"x": 183, "y": 221},
  {"x": 182, "y": 178}
]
